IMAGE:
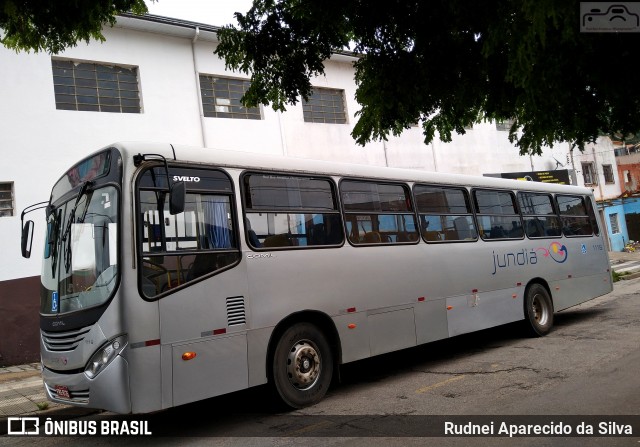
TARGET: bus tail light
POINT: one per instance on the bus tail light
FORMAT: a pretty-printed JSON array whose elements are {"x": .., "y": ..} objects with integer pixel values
[{"x": 104, "y": 356}]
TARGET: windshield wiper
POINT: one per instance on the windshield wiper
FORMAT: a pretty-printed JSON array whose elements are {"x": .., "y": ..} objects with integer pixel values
[
  {"x": 66, "y": 237},
  {"x": 53, "y": 241}
]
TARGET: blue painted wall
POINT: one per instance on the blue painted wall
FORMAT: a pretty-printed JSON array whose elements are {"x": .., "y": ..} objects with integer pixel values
[{"x": 621, "y": 237}]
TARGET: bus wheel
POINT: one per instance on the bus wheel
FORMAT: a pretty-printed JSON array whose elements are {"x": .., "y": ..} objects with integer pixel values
[
  {"x": 302, "y": 365},
  {"x": 538, "y": 310}
]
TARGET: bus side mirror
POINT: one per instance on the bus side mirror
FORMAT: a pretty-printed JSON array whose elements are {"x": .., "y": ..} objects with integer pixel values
[
  {"x": 177, "y": 197},
  {"x": 27, "y": 239}
]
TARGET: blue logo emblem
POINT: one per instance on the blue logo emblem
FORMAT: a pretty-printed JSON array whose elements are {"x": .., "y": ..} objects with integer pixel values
[
  {"x": 54, "y": 302},
  {"x": 583, "y": 247}
]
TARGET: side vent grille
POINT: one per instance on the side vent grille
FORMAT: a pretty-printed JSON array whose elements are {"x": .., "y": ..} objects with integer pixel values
[{"x": 235, "y": 311}]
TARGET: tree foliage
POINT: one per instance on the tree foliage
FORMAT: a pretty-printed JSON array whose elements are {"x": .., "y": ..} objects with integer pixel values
[
  {"x": 53, "y": 25},
  {"x": 448, "y": 63}
]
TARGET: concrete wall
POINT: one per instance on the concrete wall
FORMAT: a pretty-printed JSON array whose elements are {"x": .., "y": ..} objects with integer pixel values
[{"x": 629, "y": 172}]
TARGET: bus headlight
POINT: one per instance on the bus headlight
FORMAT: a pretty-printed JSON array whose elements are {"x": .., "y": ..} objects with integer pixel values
[{"x": 104, "y": 356}]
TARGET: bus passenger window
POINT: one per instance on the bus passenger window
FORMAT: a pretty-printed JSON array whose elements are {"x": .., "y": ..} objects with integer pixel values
[
  {"x": 574, "y": 215},
  {"x": 498, "y": 215},
  {"x": 287, "y": 212},
  {"x": 445, "y": 214},
  {"x": 378, "y": 213},
  {"x": 539, "y": 214}
]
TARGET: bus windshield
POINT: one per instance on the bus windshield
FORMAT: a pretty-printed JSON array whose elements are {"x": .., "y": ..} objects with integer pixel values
[{"x": 80, "y": 266}]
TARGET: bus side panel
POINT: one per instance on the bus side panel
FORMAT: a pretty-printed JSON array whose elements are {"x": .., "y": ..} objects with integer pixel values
[
  {"x": 342, "y": 283},
  {"x": 570, "y": 292},
  {"x": 390, "y": 330},
  {"x": 257, "y": 345},
  {"x": 220, "y": 366},
  {"x": 145, "y": 379},
  {"x": 199, "y": 319},
  {"x": 354, "y": 342},
  {"x": 477, "y": 311},
  {"x": 431, "y": 320}
]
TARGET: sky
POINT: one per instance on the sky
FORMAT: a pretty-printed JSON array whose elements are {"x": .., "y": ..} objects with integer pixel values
[{"x": 210, "y": 12}]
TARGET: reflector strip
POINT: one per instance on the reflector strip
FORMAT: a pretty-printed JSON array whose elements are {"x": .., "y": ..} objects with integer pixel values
[
  {"x": 474, "y": 291},
  {"x": 143, "y": 344},
  {"x": 351, "y": 309},
  {"x": 518, "y": 284},
  {"x": 420, "y": 299},
  {"x": 351, "y": 326},
  {"x": 213, "y": 332}
]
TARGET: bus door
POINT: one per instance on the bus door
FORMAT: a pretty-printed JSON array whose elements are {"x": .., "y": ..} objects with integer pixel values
[{"x": 191, "y": 264}]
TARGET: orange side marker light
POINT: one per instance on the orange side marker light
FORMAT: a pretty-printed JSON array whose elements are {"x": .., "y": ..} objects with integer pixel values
[{"x": 188, "y": 356}]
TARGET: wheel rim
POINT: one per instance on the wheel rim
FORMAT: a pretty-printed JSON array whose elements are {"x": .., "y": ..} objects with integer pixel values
[
  {"x": 303, "y": 365},
  {"x": 540, "y": 309}
]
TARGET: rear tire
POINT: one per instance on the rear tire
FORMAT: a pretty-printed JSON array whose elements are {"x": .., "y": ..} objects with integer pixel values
[
  {"x": 538, "y": 311},
  {"x": 302, "y": 366}
]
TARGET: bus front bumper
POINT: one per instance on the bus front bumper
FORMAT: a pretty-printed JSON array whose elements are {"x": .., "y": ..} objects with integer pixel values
[{"x": 109, "y": 390}]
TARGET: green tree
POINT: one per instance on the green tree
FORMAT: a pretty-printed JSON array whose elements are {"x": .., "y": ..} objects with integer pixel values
[
  {"x": 448, "y": 63},
  {"x": 53, "y": 25}
]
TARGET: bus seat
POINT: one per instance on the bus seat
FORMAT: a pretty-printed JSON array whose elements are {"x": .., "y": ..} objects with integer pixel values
[
  {"x": 372, "y": 237},
  {"x": 431, "y": 235},
  {"x": 496, "y": 233},
  {"x": 535, "y": 228},
  {"x": 462, "y": 227},
  {"x": 277, "y": 240}
]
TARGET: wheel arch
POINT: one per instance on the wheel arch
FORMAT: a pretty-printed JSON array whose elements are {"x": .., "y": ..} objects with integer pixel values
[
  {"x": 321, "y": 320},
  {"x": 532, "y": 282}
]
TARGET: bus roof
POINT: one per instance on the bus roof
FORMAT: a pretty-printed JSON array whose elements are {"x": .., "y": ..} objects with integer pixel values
[{"x": 278, "y": 163}]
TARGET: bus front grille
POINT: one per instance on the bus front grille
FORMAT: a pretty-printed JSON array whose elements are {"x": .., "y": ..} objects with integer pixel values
[
  {"x": 76, "y": 396},
  {"x": 64, "y": 341}
]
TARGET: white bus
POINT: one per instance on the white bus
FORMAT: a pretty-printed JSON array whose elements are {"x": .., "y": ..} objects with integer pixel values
[{"x": 172, "y": 275}]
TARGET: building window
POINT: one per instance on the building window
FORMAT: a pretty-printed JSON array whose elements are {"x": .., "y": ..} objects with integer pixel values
[
  {"x": 504, "y": 125},
  {"x": 607, "y": 170},
  {"x": 615, "y": 226},
  {"x": 221, "y": 98},
  {"x": 94, "y": 87},
  {"x": 6, "y": 199},
  {"x": 325, "y": 106},
  {"x": 627, "y": 176},
  {"x": 589, "y": 174}
]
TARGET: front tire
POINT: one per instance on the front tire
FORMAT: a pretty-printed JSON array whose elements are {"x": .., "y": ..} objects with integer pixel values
[
  {"x": 302, "y": 365},
  {"x": 538, "y": 311}
]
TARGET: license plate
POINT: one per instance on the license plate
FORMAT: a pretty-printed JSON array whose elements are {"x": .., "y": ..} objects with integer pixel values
[{"x": 62, "y": 392}]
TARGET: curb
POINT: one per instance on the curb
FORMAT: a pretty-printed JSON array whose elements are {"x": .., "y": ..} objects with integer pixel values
[{"x": 630, "y": 276}]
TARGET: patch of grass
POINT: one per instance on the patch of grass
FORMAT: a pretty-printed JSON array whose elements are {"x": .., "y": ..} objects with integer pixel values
[
  {"x": 42, "y": 405},
  {"x": 618, "y": 276}
]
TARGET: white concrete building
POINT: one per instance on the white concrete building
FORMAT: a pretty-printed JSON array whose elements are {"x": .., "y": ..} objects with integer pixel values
[{"x": 172, "y": 63}]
